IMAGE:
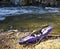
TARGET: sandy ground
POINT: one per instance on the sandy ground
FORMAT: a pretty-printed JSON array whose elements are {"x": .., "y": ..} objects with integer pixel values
[
  {"x": 49, "y": 44},
  {"x": 10, "y": 41}
]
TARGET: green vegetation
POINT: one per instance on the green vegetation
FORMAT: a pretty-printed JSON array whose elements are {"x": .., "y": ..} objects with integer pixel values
[{"x": 33, "y": 22}]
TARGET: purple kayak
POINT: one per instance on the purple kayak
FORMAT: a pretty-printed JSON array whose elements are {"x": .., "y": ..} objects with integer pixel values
[{"x": 36, "y": 36}]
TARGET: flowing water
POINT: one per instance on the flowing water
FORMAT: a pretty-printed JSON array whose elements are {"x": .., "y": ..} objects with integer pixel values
[{"x": 11, "y": 11}]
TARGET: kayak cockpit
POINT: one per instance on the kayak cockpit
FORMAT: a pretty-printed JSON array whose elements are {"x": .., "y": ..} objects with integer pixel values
[{"x": 36, "y": 35}]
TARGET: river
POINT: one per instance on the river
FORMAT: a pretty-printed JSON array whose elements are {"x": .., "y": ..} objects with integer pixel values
[{"x": 11, "y": 11}]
